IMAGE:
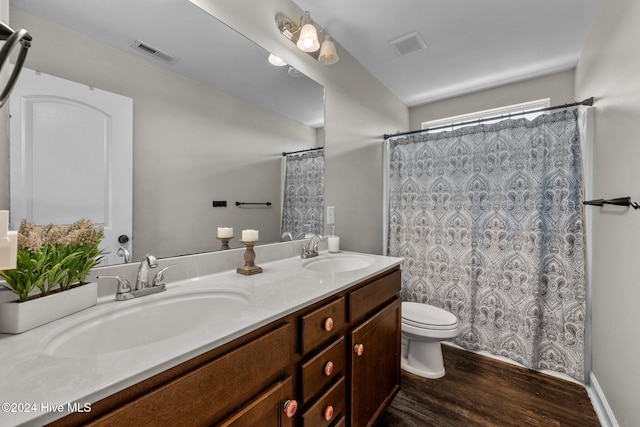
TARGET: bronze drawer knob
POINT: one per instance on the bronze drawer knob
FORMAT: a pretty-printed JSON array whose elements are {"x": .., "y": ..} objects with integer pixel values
[
  {"x": 328, "y": 324},
  {"x": 328, "y": 413},
  {"x": 290, "y": 408},
  {"x": 358, "y": 349},
  {"x": 328, "y": 368}
]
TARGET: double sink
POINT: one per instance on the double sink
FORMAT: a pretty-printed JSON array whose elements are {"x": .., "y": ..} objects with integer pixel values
[{"x": 167, "y": 315}]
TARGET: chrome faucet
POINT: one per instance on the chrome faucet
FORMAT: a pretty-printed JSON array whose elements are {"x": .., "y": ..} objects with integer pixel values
[
  {"x": 311, "y": 250},
  {"x": 125, "y": 291},
  {"x": 149, "y": 262}
]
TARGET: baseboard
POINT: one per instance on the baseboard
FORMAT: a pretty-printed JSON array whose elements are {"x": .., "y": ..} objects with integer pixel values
[{"x": 600, "y": 404}]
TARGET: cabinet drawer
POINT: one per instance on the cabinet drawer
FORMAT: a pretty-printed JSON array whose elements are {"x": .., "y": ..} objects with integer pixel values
[
  {"x": 322, "y": 324},
  {"x": 265, "y": 410},
  {"x": 331, "y": 403},
  {"x": 342, "y": 422},
  {"x": 331, "y": 361},
  {"x": 373, "y": 295},
  {"x": 213, "y": 390}
]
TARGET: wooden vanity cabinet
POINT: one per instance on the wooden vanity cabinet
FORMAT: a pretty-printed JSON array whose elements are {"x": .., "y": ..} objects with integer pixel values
[
  {"x": 206, "y": 394},
  {"x": 376, "y": 346},
  {"x": 309, "y": 360},
  {"x": 267, "y": 410}
]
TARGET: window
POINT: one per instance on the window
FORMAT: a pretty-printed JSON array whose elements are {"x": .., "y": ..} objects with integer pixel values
[{"x": 457, "y": 122}]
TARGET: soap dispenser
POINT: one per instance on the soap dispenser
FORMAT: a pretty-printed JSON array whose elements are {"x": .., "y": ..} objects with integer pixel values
[{"x": 333, "y": 241}]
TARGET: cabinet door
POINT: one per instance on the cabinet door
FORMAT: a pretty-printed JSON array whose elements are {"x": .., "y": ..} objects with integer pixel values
[
  {"x": 210, "y": 392},
  {"x": 266, "y": 410},
  {"x": 375, "y": 364}
]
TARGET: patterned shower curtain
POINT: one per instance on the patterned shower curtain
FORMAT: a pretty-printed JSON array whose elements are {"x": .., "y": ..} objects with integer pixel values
[
  {"x": 303, "y": 205},
  {"x": 489, "y": 220}
]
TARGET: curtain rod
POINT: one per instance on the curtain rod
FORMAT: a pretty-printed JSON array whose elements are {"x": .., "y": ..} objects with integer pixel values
[
  {"x": 588, "y": 101},
  {"x": 286, "y": 153}
]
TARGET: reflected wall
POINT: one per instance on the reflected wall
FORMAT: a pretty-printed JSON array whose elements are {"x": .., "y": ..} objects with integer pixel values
[{"x": 192, "y": 143}]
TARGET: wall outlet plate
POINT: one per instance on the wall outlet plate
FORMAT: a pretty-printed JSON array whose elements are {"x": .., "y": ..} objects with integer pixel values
[{"x": 331, "y": 215}]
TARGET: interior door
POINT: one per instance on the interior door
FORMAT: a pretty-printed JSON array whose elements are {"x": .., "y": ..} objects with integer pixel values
[{"x": 71, "y": 157}]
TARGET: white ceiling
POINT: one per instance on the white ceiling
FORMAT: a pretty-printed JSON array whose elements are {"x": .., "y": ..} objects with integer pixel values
[
  {"x": 471, "y": 44},
  {"x": 207, "y": 50}
]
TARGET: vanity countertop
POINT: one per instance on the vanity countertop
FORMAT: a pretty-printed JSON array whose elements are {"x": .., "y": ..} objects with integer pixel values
[{"x": 36, "y": 384}]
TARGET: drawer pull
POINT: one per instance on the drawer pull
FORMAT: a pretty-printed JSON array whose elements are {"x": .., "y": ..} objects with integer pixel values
[
  {"x": 328, "y": 413},
  {"x": 328, "y": 368},
  {"x": 358, "y": 349},
  {"x": 328, "y": 324},
  {"x": 290, "y": 407}
]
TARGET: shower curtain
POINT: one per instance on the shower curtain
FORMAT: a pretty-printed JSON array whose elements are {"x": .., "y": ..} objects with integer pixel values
[
  {"x": 303, "y": 205},
  {"x": 490, "y": 222}
]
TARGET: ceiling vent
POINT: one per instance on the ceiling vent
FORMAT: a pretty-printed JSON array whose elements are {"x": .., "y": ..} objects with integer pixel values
[
  {"x": 408, "y": 44},
  {"x": 150, "y": 50}
]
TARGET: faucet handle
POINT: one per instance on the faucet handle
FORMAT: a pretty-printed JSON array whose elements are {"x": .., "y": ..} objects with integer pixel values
[
  {"x": 123, "y": 291},
  {"x": 158, "y": 280},
  {"x": 315, "y": 246}
]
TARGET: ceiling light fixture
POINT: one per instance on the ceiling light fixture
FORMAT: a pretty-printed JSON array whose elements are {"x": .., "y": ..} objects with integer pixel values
[
  {"x": 306, "y": 36},
  {"x": 328, "y": 54}
]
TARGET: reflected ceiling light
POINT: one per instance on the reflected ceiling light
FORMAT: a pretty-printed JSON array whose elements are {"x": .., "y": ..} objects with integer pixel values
[
  {"x": 305, "y": 36},
  {"x": 276, "y": 60}
]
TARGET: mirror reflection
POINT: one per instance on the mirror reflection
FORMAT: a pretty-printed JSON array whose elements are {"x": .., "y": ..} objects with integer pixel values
[{"x": 209, "y": 121}]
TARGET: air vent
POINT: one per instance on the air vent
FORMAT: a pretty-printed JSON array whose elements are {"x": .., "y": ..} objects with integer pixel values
[
  {"x": 408, "y": 44},
  {"x": 150, "y": 50}
]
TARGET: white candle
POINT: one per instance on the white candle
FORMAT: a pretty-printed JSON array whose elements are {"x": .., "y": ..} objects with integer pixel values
[
  {"x": 249, "y": 235},
  {"x": 4, "y": 226},
  {"x": 225, "y": 232}
]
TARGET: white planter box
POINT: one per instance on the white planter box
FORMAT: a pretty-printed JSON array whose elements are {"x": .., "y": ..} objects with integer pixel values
[{"x": 17, "y": 317}]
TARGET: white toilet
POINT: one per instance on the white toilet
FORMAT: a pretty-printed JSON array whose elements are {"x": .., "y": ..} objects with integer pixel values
[{"x": 423, "y": 327}]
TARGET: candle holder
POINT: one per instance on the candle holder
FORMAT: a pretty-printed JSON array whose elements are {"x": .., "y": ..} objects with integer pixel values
[
  {"x": 249, "y": 268},
  {"x": 224, "y": 243}
]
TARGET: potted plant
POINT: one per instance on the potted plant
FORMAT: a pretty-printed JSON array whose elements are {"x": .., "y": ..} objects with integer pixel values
[{"x": 52, "y": 263}]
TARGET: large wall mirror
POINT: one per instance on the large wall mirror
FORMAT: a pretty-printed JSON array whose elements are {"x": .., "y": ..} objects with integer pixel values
[{"x": 211, "y": 118}]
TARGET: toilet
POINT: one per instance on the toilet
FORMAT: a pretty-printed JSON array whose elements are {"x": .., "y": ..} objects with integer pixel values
[{"x": 423, "y": 327}]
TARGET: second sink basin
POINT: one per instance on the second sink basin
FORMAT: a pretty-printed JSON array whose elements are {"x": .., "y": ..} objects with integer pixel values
[
  {"x": 338, "y": 263},
  {"x": 147, "y": 322}
]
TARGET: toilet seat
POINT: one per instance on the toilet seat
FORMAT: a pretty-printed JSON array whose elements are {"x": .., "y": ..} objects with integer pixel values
[{"x": 425, "y": 316}]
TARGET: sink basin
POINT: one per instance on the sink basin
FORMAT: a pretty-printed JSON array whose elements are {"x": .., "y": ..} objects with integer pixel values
[
  {"x": 146, "y": 322},
  {"x": 338, "y": 263}
]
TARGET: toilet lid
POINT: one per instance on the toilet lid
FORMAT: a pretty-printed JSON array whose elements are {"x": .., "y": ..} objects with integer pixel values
[{"x": 427, "y": 316}]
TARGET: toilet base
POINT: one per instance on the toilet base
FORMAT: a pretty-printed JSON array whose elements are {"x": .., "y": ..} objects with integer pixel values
[{"x": 423, "y": 358}]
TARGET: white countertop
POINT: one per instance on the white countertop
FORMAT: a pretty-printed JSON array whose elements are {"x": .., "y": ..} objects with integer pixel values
[{"x": 34, "y": 383}]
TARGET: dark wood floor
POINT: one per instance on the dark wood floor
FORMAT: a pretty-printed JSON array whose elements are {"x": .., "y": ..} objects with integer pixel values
[{"x": 481, "y": 391}]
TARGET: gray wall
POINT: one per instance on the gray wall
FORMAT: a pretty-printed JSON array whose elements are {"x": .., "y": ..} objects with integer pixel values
[
  {"x": 609, "y": 70},
  {"x": 558, "y": 87},
  {"x": 192, "y": 143}
]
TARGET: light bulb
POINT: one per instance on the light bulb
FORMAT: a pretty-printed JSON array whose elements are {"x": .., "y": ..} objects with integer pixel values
[{"x": 308, "y": 41}]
